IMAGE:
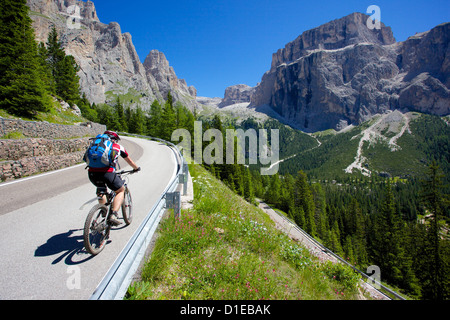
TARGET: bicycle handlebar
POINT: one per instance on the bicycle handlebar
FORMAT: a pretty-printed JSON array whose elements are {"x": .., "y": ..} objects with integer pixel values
[{"x": 129, "y": 171}]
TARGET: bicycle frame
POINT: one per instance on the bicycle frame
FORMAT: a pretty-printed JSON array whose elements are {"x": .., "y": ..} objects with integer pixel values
[
  {"x": 98, "y": 222},
  {"x": 111, "y": 194}
]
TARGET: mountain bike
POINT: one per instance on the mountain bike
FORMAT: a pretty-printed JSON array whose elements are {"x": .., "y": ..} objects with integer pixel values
[{"x": 98, "y": 225}]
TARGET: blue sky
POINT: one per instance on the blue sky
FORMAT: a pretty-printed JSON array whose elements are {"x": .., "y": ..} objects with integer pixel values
[{"x": 216, "y": 44}]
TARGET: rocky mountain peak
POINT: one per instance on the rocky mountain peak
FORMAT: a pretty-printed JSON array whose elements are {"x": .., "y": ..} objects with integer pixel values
[
  {"x": 343, "y": 73},
  {"x": 336, "y": 34},
  {"x": 109, "y": 64},
  {"x": 157, "y": 66},
  {"x": 239, "y": 93}
]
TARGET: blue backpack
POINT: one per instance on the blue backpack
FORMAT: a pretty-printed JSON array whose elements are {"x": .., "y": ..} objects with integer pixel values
[{"x": 100, "y": 153}]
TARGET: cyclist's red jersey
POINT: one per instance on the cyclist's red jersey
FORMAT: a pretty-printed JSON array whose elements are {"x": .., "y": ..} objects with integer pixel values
[{"x": 119, "y": 150}]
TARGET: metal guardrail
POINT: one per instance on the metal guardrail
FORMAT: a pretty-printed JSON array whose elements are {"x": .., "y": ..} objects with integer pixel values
[
  {"x": 328, "y": 251},
  {"x": 114, "y": 284}
]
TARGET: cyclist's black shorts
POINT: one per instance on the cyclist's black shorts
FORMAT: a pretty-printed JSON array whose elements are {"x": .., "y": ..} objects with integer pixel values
[{"x": 103, "y": 179}]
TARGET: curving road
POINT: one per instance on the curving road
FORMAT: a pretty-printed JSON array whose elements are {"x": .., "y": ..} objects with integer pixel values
[{"x": 41, "y": 237}]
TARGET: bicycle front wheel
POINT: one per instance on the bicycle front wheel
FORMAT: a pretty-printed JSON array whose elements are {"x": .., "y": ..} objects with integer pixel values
[
  {"x": 127, "y": 207},
  {"x": 96, "y": 229}
]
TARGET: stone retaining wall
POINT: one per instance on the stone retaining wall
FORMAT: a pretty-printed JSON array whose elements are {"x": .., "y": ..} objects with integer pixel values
[
  {"x": 35, "y": 129},
  {"x": 38, "y": 147},
  {"x": 56, "y": 147},
  {"x": 14, "y": 169}
]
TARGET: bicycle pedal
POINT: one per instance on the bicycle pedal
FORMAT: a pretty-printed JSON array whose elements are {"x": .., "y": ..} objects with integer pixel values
[{"x": 114, "y": 222}]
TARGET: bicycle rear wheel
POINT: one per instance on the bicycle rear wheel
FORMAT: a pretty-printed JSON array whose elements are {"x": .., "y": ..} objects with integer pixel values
[
  {"x": 96, "y": 229},
  {"x": 127, "y": 207}
]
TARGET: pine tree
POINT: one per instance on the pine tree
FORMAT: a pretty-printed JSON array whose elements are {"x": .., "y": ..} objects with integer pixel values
[
  {"x": 394, "y": 262},
  {"x": 107, "y": 115},
  {"x": 184, "y": 118},
  {"x": 123, "y": 126},
  {"x": 154, "y": 128},
  {"x": 87, "y": 110},
  {"x": 299, "y": 217},
  {"x": 273, "y": 191},
  {"x": 55, "y": 54},
  {"x": 22, "y": 90},
  {"x": 321, "y": 211},
  {"x": 436, "y": 269},
  {"x": 46, "y": 72},
  {"x": 334, "y": 240},
  {"x": 64, "y": 70},
  {"x": 168, "y": 119},
  {"x": 68, "y": 86},
  {"x": 304, "y": 199},
  {"x": 348, "y": 249},
  {"x": 248, "y": 185},
  {"x": 360, "y": 242},
  {"x": 137, "y": 123}
]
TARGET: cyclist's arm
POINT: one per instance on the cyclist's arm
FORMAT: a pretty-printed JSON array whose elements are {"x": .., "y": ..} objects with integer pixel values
[
  {"x": 124, "y": 154},
  {"x": 131, "y": 163}
]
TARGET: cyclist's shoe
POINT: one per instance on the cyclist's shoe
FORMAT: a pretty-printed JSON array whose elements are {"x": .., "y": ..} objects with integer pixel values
[{"x": 113, "y": 219}]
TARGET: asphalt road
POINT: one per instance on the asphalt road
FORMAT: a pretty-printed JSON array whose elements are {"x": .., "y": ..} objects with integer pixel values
[{"x": 41, "y": 220}]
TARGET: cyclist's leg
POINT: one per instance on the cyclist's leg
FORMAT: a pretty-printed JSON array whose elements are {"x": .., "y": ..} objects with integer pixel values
[
  {"x": 116, "y": 184},
  {"x": 97, "y": 180},
  {"x": 117, "y": 203},
  {"x": 101, "y": 193}
]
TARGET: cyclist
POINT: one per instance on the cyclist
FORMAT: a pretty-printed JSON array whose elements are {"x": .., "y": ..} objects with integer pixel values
[{"x": 102, "y": 177}]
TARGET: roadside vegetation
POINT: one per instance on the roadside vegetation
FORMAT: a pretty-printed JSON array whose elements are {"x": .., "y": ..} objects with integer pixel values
[{"x": 226, "y": 248}]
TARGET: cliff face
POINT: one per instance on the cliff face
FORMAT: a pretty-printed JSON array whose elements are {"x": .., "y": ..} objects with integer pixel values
[
  {"x": 109, "y": 63},
  {"x": 157, "y": 67},
  {"x": 237, "y": 94},
  {"x": 343, "y": 73},
  {"x": 336, "y": 34}
]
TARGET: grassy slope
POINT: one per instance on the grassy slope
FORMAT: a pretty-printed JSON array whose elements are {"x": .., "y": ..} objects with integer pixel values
[
  {"x": 338, "y": 151},
  {"x": 55, "y": 115},
  {"x": 226, "y": 248}
]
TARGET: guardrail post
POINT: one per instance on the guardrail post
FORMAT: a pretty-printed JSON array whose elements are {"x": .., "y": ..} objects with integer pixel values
[
  {"x": 173, "y": 201},
  {"x": 186, "y": 177}
]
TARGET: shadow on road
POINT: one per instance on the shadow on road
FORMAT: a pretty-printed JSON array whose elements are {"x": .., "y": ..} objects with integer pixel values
[{"x": 68, "y": 244}]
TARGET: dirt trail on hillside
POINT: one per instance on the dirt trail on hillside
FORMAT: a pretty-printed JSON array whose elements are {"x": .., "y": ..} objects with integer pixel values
[
  {"x": 374, "y": 133},
  {"x": 368, "y": 135}
]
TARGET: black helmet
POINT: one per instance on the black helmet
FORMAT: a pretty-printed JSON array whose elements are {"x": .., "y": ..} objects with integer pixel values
[{"x": 112, "y": 135}]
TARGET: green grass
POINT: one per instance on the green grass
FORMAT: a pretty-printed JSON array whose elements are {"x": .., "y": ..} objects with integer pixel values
[
  {"x": 132, "y": 96},
  {"x": 16, "y": 135},
  {"x": 226, "y": 248},
  {"x": 55, "y": 115}
]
